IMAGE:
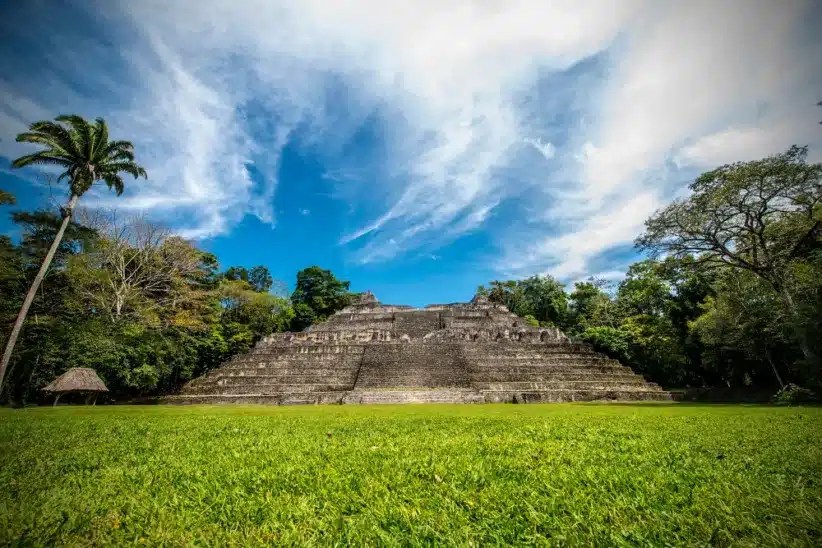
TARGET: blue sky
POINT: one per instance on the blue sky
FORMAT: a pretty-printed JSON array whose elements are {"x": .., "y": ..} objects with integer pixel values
[{"x": 419, "y": 148}]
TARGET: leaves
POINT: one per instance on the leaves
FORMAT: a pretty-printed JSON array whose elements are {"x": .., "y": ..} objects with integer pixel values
[
  {"x": 569, "y": 475},
  {"x": 84, "y": 152},
  {"x": 317, "y": 295},
  {"x": 541, "y": 297},
  {"x": 6, "y": 198}
]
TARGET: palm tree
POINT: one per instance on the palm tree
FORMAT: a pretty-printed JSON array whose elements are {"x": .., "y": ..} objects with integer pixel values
[{"x": 83, "y": 151}]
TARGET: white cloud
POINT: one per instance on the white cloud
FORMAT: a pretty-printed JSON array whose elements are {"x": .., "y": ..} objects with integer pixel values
[
  {"x": 445, "y": 78},
  {"x": 740, "y": 144},
  {"x": 567, "y": 254},
  {"x": 546, "y": 149},
  {"x": 694, "y": 84},
  {"x": 223, "y": 85},
  {"x": 305, "y": 212}
]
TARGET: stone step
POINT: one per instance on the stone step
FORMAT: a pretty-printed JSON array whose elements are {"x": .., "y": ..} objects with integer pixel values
[
  {"x": 266, "y": 388},
  {"x": 546, "y": 376},
  {"x": 411, "y": 382},
  {"x": 277, "y": 372},
  {"x": 314, "y": 358},
  {"x": 497, "y": 347},
  {"x": 326, "y": 349},
  {"x": 292, "y": 366},
  {"x": 420, "y": 396},
  {"x": 333, "y": 384},
  {"x": 548, "y": 369},
  {"x": 519, "y": 386},
  {"x": 414, "y": 395},
  {"x": 545, "y": 396},
  {"x": 276, "y": 399},
  {"x": 555, "y": 358},
  {"x": 241, "y": 381}
]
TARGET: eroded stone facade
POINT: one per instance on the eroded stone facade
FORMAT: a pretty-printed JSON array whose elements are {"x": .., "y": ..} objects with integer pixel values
[{"x": 464, "y": 352}]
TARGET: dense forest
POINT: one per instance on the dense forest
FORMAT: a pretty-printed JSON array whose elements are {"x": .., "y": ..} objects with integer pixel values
[{"x": 729, "y": 296}]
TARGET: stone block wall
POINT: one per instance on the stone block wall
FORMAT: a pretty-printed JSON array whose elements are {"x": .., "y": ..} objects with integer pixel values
[{"x": 370, "y": 353}]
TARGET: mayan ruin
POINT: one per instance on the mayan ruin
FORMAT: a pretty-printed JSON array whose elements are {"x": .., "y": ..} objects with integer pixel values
[{"x": 458, "y": 353}]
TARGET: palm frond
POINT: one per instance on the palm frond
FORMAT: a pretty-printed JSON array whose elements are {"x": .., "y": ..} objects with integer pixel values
[
  {"x": 83, "y": 150},
  {"x": 122, "y": 155},
  {"x": 118, "y": 147},
  {"x": 41, "y": 158},
  {"x": 129, "y": 167},
  {"x": 58, "y": 132},
  {"x": 101, "y": 129},
  {"x": 42, "y": 139},
  {"x": 114, "y": 181},
  {"x": 82, "y": 133}
]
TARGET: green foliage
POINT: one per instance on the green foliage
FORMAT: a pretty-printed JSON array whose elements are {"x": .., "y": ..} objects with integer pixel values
[
  {"x": 7, "y": 198},
  {"x": 575, "y": 475},
  {"x": 258, "y": 277},
  {"x": 541, "y": 297},
  {"x": 147, "y": 310},
  {"x": 791, "y": 394},
  {"x": 759, "y": 217},
  {"x": 610, "y": 340},
  {"x": 749, "y": 216},
  {"x": 532, "y": 321},
  {"x": 260, "y": 313},
  {"x": 83, "y": 151},
  {"x": 318, "y": 295},
  {"x": 737, "y": 303}
]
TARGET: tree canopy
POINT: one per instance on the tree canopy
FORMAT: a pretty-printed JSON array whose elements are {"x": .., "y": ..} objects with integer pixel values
[
  {"x": 258, "y": 277},
  {"x": 752, "y": 216},
  {"x": 541, "y": 297},
  {"x": 762, "y": 217},
  {"x": 317, "y": 295}
]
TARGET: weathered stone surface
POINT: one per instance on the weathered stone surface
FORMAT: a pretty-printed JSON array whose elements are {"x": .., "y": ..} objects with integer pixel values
[{"x": 465, "y": 352}]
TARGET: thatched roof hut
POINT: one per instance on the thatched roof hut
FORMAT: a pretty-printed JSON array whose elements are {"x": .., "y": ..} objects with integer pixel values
[{"x": 76, "y": 379}]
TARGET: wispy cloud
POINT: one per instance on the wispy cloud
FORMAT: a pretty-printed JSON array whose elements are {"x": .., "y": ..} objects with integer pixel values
[
  {"x": 471, "y": 134},
  {"x": 692, "y": 85}
]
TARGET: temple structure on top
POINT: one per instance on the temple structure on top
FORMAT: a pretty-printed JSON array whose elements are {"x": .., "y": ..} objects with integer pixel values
[{"x": 463, "y": 352}]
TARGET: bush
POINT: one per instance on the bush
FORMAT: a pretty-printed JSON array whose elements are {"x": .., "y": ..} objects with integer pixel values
[
  {"x": 791, "y": 393},
  {"x": 531, "y": 320},
  {"x": 613, "y": 342}
]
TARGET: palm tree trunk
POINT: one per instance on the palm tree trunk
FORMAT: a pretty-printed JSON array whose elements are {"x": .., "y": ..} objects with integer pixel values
[{"x": 21, "y": 316}]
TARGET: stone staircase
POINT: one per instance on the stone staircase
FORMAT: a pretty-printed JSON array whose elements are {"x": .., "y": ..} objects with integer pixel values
[
  {"x": 414, "y": 395},
  {"x": 462, "y": 353},
  {"x": 417, "y": 365},
  {"x": 553, "y": 372}
]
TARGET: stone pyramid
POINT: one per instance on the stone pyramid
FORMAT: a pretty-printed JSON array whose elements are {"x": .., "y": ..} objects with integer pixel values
[{"x": 464, "y": 352}]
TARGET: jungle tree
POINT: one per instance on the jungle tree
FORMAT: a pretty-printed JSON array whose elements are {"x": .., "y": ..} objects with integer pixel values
[{"x": 84, "y": 153}]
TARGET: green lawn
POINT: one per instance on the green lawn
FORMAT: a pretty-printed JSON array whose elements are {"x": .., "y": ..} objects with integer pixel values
[{"x": 562, "y": 474}]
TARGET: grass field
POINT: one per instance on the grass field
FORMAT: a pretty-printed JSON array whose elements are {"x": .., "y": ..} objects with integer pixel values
[{"x": 562, "y": 474}]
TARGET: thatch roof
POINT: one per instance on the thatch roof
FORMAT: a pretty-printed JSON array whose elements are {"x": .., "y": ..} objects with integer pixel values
[{"x": 77, "y": 379}]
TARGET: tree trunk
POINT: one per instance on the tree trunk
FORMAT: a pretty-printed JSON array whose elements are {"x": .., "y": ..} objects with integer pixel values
[
  {"x": 21, "y": 316},
  {"x": 773, "y": 367},
  {"x": 787, "y": 299}
]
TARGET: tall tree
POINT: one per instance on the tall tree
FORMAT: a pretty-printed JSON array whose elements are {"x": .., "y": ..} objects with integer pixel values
[
  {"x": 318, "y": 295},
  {"x": 542, "y": 297},
  {"x": 755, "y": 216},
  {"x": 258, "y": 277},
  {"x": 86, "y": 155}
]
